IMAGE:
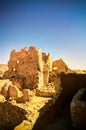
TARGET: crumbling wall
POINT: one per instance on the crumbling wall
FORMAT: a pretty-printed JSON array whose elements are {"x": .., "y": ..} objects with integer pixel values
[
  {"x": 60, "y": 66},
  {"x": 31, "y": 66},
  {"x": 47, "y": 67},
  {"x": 26, "y": 64},
  {"x": 40, "y": 69}
]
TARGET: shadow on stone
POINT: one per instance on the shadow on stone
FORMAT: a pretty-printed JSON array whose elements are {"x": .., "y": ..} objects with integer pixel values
[
  {"x": 70, "y": 84},
  {"x": 49, "y": 112},
  {"x": 83, "y": 96},
  {"x": 10, "y": 116}
]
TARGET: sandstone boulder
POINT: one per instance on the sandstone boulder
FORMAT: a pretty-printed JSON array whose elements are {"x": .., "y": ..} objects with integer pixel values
[{"x": 13, "y": 92}]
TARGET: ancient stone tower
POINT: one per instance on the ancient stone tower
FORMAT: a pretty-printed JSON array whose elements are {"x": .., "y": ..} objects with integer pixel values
[{"x": 31, "y": 65}]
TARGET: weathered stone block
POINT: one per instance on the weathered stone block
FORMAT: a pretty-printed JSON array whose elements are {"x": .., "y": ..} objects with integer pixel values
[{"x": 13, "y": 92}]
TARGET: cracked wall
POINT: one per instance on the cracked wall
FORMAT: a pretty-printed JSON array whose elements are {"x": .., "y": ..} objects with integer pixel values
[{"x": 30, "y": 65}]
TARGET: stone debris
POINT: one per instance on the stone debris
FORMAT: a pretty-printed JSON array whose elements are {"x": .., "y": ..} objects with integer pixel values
[
  {"x": 13, "y": 92},
  {"x": 29, "y": 70},
  {"x": 31, "y": 82},
  {"x": 4, "y": 90},
  {"x": 46, "y": 91}
]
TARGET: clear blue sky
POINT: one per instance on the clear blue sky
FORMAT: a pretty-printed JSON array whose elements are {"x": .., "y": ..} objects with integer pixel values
[{"x": 56, "y": 26}]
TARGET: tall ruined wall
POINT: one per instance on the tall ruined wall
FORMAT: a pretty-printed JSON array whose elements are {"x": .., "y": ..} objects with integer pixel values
[
  {"x": 47, "y": 66},
  {"x": 40, "y": 69},
  {"x": 27, "y": 64},
  {"x": 31, "y": 65}
]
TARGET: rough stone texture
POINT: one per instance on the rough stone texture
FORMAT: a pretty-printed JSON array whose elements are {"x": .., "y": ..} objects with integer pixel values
[
  {"x": 47, "y": 91},
  {"x": 19, "y": 82},
  {"x": 60, "y": 66},
  {"x": 47, "y": 67},
  {"x": 52, "y": 76},
  {"x": 25, "y": 96},
  {"x": 4, "y": 90},
  {"x": 2, "y": 98},
  {"x": 13, "y": 92},
  {"x": 55, "y": 78},
  {"x": 38, "y": 107},
  {"x": 33, "y": 112},
  {"x": 29, "y": 64},
  {"x": 3, "y": 69},
  {"x": 26, "y": 63},
  {"x": 10, "y": 115},
  {"x": 4, "y": 83},
  {"x": 47, "y": 60},
  {"x": 78, "y": 109},
  {"x": 32, "y": 77}
]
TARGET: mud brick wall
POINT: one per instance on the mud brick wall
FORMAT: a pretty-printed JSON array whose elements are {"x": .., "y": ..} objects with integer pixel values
[
  {"x": 31, "y": 65},
  {"x": 27, "y": 63}
]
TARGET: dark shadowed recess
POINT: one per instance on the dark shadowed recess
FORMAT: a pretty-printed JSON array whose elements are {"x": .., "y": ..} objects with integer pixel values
[
  {"x": 10, "y": 116},
  {"x": 58, "y": 117}
]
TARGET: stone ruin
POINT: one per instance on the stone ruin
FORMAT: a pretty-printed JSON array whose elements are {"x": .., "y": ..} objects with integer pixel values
[
  {"x": 30, "y": 71},
  {"x": 29, "y": 64},
  {"x": 60, "y": 66},
  {"x": 33, "y": 73}
]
